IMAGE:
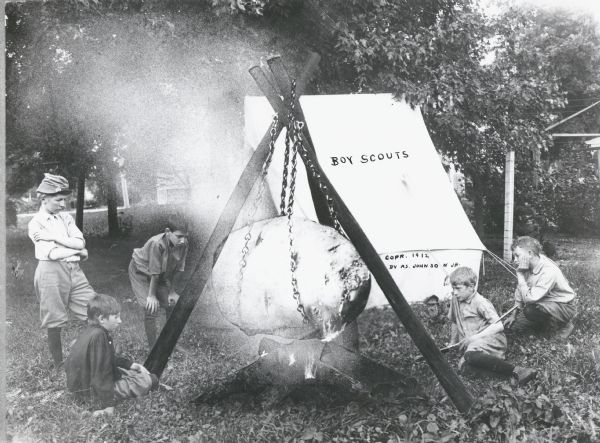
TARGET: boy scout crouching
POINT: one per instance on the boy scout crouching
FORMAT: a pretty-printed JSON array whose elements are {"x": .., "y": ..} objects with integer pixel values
[
  {"x": 59, "y": 282},
  {"x": 153, "y": 269}
]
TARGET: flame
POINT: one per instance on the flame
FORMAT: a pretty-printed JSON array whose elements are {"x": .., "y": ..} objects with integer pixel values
[
  {"x": 310, "y": 370},
  {"x": 292, "y": 359},
  {"x": 329, "y": 333}
]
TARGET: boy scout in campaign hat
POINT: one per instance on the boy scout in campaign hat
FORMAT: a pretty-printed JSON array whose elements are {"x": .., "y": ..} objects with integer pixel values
[{"x": 59, "y": 247}]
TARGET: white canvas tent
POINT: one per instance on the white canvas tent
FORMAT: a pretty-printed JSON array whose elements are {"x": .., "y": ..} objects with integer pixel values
[{"x": 379, "y": 156}]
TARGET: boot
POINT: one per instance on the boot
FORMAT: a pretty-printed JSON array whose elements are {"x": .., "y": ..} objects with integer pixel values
[
  {"x": 55, "y": 346},
  {"x": 565, "y": 330},
  {"x": 523, "y": 375}
]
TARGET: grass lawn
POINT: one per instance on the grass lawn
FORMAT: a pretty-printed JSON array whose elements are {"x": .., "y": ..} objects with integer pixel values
[{"x": 562, "y": 404}]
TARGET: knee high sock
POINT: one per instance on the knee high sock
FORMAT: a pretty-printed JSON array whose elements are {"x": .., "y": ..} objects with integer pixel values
[
  {"x": 151, "y": 329},
  {"x": 55, "y": 344},
  {"x": 488, "y": 362}
]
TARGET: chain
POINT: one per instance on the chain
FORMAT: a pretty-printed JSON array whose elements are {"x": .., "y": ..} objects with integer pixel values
[
  {"x": 291, "y": 137},
  {"x": 286, "y": 160},
  {"x": 260, "y": 190},
  {"x": 323, "y": 187},
  {"x": 293, "y": 146}
]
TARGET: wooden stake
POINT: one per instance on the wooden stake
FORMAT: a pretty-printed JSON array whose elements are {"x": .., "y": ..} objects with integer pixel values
[{"x": 284, "y": 84}]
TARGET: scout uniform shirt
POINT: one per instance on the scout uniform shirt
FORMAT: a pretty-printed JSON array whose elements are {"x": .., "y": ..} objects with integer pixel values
[
  {"x": 61, "y": 224},
  {"x": 159, "y": 257},
  {"x": 546, "y": 282},
  {"x": 472, "y": 316}
]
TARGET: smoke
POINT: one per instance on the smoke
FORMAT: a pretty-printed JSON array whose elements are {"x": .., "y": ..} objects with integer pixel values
[{"x": 165, "y": 91}]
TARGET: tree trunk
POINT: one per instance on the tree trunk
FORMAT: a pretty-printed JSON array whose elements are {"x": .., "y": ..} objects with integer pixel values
[
  {"x": 80, "y": 200},
  {"x": 111, "y": 203},
  {"x": 478, "y": 205}
]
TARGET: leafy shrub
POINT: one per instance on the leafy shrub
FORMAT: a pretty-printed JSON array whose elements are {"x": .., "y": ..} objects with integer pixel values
[{"x": 500, "y": 415}]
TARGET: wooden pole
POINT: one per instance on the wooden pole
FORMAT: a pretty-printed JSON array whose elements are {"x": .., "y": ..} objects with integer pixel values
[
  {"x": 447, "y": 377},
  {"x": 509, "y": 203},
  {"x": 564, "y": 120},
  {"x": 162, "y": 349},
  {"x": 284, "y": 83},
  {"x": 575, "y": 135}
]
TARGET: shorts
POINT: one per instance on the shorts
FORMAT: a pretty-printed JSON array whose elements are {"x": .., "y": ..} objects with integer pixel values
[
  {"x": 60, "y": 285},
  {"x": 132, "y": 384}
]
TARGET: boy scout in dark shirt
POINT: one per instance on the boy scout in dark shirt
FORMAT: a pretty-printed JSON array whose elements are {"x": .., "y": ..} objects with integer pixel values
[{"x": 93, "y": 370}]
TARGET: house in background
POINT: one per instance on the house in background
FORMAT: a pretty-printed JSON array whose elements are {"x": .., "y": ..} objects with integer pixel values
[
  {"x": 594, "y": 146},
  {"x": 172, "y": 188}
]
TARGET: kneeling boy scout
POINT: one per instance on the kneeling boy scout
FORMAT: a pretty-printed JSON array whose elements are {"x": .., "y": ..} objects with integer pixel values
[{"x": 59, "y": 247}]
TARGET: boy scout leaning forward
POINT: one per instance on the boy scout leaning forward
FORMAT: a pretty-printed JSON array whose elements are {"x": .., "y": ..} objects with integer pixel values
[
  {"x": 59, "y": 247},
  {"x": 154, "y": 267}
]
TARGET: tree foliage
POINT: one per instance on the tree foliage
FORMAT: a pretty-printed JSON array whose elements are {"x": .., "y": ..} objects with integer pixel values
[{"x": 485, "y": 85}]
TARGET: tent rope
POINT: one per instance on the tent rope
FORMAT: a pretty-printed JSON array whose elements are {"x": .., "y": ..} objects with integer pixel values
[{"x": 505, "y": 264}]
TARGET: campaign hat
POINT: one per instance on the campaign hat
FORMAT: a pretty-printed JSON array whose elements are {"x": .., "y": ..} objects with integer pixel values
[{"x": 53, "y": 184}]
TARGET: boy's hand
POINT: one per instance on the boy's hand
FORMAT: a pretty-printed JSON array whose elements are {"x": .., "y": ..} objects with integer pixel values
[
  {"x": 510, "y": 320},
  {"x": 83, "y": 253},
  {"x": 523, "y": 263},
  {"x": 173, "y": 298},
  {"x": 152, "y": 304},
  {"x": 107, "y": 411},
  {"x": 139, "y": 368},
  {"x": 43, "y": 235}
]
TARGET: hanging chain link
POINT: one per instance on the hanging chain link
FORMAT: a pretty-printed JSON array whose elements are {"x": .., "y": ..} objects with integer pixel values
[
  {"x": 289, "y": 137},
  {"x": 257, "y": 199},
  {"x": 322, "y": 187},
  {"x": 293, "y": 145},
  {"x": 292, "y": 138}
]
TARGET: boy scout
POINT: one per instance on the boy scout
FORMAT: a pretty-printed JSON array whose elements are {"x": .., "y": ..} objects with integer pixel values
[
  {"x": 59, "y": 247},
  {"x": 152, "y": 269},
  {"x": 543, "y": 293},
  {"x": 475, "y": 325}
]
